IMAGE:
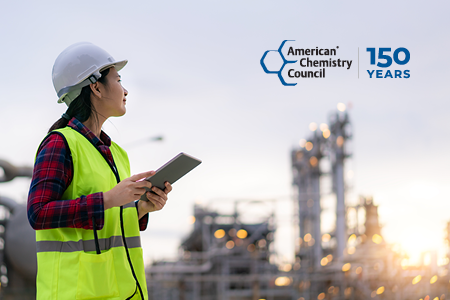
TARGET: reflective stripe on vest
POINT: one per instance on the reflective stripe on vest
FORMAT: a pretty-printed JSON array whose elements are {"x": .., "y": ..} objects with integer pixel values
[
  {"x": 68, "y": 266},
  {"x": 89, "y": 245}
]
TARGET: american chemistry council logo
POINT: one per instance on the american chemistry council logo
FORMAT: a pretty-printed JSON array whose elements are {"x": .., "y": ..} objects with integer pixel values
[
  {"x": 307, "y": 67},
  {"x": 313, "y": 62}
]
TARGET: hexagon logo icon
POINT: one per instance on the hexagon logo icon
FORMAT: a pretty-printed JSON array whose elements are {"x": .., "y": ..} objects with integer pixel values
[{"x": 285, "y": 62}]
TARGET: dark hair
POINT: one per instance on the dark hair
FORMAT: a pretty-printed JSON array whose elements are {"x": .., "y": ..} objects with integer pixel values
[{"x": 81, "y": 108}]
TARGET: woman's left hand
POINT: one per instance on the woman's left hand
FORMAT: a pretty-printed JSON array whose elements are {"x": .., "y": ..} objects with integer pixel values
[{"x": 156, "y": 201}]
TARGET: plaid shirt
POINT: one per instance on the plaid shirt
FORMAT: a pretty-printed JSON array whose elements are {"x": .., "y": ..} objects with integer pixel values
[{"x": 53, "y": 173}]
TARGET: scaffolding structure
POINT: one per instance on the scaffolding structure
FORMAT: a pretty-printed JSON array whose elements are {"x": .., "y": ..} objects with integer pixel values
[{"x": 221, "y": 259}]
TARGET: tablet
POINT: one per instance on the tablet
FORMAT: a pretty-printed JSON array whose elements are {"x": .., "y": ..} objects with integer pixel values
[{"x": 173, "y": 170}]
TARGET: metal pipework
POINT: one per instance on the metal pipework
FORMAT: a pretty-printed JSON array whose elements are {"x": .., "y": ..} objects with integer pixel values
[{"x": 10, "y": 171}]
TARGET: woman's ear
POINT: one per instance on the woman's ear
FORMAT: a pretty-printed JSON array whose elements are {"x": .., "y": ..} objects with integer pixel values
[{"x": 95, "y": 88}]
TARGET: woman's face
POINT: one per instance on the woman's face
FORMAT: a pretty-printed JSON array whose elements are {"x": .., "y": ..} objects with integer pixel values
[{"x": 114, "y": 95}]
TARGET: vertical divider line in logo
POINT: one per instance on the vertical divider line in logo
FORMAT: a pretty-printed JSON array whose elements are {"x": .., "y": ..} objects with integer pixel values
[{"x": 358, "y": 62}]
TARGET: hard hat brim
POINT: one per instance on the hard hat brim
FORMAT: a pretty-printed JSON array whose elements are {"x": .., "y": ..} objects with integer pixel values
[{"x": 118, "y": 65}]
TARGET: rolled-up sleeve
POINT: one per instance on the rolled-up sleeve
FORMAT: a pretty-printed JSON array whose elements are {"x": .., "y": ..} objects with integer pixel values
[{"x": 142, "y": 221}]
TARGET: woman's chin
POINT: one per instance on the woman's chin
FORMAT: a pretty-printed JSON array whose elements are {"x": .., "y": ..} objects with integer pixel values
[{"x": 121, "y": 113}]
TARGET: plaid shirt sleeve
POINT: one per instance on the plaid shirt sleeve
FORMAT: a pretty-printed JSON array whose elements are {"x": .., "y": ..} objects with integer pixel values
[{"x": 52, "y": 174}]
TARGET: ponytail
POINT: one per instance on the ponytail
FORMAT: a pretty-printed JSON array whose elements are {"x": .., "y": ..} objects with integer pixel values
[
  {"x": 61, "y": 123},
  {"x": 80, "y": 108}
]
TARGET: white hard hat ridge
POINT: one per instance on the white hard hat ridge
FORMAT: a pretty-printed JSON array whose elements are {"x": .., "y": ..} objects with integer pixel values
[{"x": 78, "y": 66}]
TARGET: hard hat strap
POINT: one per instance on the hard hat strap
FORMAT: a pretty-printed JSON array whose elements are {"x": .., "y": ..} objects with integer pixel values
[{"x": 92, "y": 78}]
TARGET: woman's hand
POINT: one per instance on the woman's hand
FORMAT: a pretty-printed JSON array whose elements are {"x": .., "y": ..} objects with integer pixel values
[
  {"x": 127, "y": 190},
  {"x": 156, "y": 201}
]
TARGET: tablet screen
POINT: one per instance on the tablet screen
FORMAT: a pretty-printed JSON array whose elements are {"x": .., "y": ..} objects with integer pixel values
[{"x": 173, "y": 170}]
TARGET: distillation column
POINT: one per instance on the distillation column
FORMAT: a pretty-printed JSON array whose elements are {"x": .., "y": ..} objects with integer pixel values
[
  {"x": 306, "y": 165},
  {"x": 339, "y": 136},
  {"x": 315, "y": 156}
]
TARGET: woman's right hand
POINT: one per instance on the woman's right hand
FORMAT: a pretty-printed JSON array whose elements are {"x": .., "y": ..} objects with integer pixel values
[{"x": 127, "y": 190}]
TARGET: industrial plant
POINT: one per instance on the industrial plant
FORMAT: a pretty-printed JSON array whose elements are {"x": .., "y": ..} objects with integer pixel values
[{"x": 227, "y": 258}]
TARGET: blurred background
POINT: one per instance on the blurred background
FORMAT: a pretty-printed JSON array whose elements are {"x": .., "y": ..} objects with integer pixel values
[{"x": 378, "y": 183}]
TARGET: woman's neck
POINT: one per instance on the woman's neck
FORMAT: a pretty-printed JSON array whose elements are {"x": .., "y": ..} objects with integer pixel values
[{"x": 95, "y": 124}]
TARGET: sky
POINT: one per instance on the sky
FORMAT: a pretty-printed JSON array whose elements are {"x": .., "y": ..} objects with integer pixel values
[{"x": 194, "y": 76}]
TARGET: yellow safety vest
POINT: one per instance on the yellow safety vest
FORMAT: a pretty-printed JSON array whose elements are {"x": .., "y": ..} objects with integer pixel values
[{"x": 68, "y": 266}]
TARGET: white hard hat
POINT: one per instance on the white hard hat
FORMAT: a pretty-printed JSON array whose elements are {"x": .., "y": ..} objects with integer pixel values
[{"x": 78, "y": 66}]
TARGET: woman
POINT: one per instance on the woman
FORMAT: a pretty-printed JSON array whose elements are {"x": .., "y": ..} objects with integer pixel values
[{"x": 82, "y": 199}]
